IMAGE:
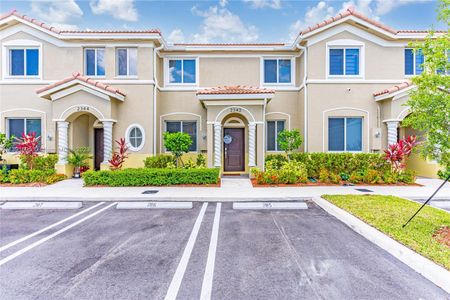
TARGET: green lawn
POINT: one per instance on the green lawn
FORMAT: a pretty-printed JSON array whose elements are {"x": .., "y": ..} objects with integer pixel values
[{"x": 388, "y": 214}]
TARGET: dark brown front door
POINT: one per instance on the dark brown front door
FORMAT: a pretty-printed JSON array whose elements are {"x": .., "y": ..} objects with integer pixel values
[
  {"x": 234, "y": 160},
  {"x": 98, "y": 147}
]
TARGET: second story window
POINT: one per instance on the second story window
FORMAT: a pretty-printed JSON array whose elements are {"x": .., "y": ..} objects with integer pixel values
[
  {"x": 277, "y": 71},
  {"x": 413, "y": 62},
  {"x": 126, "y": 61},
  {"x": 24, "y": 62},
  {"x": 94, "y": 61},
  {"x": 182, "y": 71},
  {"x": 344, "y": 61}
]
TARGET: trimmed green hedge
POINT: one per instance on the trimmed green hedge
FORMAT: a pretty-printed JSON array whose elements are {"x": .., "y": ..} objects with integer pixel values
[
  {"x": 335, "y": 162},
  {"x": 154, "y": 177}
]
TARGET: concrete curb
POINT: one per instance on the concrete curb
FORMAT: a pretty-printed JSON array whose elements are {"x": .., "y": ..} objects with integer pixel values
[
  {"x": 430, "y": 270},
  {"x": 138, "y": 198}
]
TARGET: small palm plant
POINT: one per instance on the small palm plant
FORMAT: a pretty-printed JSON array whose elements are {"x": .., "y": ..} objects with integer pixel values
[{"x": 79, "y": 158}]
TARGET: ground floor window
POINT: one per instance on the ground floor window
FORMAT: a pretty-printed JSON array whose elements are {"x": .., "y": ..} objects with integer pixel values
[
  {"x": 189, "y": 127},
  {"x": 135, "y": 137},
  {"x": 18, "y": 126},
  {"x": 345, "y": 134},
  {"x": 273, "y": 129}
]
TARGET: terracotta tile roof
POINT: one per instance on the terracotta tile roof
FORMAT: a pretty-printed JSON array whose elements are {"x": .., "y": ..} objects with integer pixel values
[
  {"x": 237, "y": 89},
  {"x": 393, "y": 89},
  {"x": 78, "y": 76},
  {"x": 348, "y": 12},
  {"x": 58, "y": 31},
  {"x": 229, "y": 44}
]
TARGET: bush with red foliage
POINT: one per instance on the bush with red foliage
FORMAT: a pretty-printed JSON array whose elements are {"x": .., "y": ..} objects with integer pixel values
[
  {"x": 28, "y": 147},
  {"x": 398, "y": 153},
  {"x": 119, "y": 157}
]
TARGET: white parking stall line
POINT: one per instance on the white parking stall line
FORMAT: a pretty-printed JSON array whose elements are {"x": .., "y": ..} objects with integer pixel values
[
  {"x": 43, "y": 240},
  {"x": 175, "y": 284},
  {"x": 210, "y": 262},
  {"x": 270, "y": 205},
  {"x": 3, "y": 248}
]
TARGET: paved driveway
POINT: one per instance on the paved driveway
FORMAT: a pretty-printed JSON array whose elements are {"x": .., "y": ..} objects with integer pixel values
[{"x": 209, "y": 251}]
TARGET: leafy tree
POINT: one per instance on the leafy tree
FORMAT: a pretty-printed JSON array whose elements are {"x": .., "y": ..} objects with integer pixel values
[
  {"x": 289, "y": 141},
  {"x": 177, "y": 143},
  {"x": 430, "y": 101},
  {"x": 5, "y": 143}
]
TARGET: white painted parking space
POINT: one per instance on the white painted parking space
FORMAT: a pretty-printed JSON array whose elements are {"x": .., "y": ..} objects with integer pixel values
[
  {"x": 209, "y": 270},
  {"x": 43, "y": 240},
  {"x": 154, "y": 205},
  {"x": 270, "y": 205},
  {"x": 174, "y": 286},
  {"x": 41, "y": 205},
  {"x": 3, "y": 248}
]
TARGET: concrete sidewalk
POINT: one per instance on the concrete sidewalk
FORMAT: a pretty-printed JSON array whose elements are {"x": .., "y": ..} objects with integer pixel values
[{"x": 232, "y": 189}]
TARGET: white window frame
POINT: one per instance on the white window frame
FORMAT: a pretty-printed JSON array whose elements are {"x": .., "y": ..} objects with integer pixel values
[
  {"x": 346, "y": 44},
  {"x": 95, "y": 59},
  {"x": 277, "y": 58},
  {"x": 25, "y": 127},
  {"x": 20, "y": 45},
  {"x": 167, "y": 73},
  {"x": 414, "y": 63},
  {"x": 127, "y": 137},
  {"x": 276, "y": 135},
  {"x": 345, "y": 134},
  {"x": 128, "y": 63},
  {"x": 181, "y": 128}
]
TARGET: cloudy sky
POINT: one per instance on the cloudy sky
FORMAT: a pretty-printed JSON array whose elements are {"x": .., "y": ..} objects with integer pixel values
[{"x": 221, "y": 20}]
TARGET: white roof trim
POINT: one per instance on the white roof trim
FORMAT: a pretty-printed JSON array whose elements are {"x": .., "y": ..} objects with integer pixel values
[{"x": 68, "y": 84}]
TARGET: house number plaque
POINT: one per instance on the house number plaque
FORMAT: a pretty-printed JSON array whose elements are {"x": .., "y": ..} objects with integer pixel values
[
  {"x": 235, "y": 109},
  {"x": 83, "y": 108}
]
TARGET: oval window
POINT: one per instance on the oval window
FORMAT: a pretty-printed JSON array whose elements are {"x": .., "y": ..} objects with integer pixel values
[{"x": 135, "y": 137}]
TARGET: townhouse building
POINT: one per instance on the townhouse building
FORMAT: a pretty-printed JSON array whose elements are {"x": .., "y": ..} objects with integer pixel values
[{"x": 343, "y": 83}]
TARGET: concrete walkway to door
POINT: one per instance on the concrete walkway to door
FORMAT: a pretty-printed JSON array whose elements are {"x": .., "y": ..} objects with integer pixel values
[{"x": 232, "y": 189}]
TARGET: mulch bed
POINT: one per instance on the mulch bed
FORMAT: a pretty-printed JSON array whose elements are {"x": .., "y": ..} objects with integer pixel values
[
  {"x": 255, "y": 184},
  {"x": 442, "y": 235}
]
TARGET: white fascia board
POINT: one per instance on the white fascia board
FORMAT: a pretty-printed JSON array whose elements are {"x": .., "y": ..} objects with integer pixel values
[
  {"x": 20, "y": 20},
  {"x": 397, "y": 94},
  {"x": 234, "y": 96},
  {"x": 90, "y": 87},
  {"x": 228, "y": 48},
  {"x": 109, "y": 36}
]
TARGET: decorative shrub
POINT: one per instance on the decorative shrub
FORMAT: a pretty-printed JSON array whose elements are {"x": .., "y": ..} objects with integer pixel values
[
  {"x": 397, "y": 154},
  {"x": 151, "y": 177},
  {"x": 324, "y": 176},
  {"x": 19, "y": 176},
  {"x": 79, "y": 158},
  {"x": 118, "y": 158},
  {"x": 335, "y": 162},
  {"x": 5, "y": 143},
  {"x": 335, "y": 178},
  {"x": 289, "y": 172},
  {"x": 45, "y": 162},
  {"x": 28, "y": 146},
  {"x": 372, "y": 176},
  {"x": 201, "y": 160},
  {"x": 159, "y": 161},
  {"x": 289, "y": 141}
]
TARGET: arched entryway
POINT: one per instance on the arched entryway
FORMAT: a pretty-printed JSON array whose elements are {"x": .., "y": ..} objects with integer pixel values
[{"x": 235, "y": 147}]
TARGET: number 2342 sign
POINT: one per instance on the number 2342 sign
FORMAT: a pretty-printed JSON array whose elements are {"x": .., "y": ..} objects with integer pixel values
[{"x": 235, "y": 109}]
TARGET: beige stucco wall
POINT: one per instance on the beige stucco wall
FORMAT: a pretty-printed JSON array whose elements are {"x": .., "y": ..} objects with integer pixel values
[
  {"x": 392, "y": 58},
  {"x": 229, "y": 71}
]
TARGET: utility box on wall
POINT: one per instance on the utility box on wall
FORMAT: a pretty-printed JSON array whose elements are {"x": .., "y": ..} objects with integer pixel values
[{"x": 375, "y": 138}]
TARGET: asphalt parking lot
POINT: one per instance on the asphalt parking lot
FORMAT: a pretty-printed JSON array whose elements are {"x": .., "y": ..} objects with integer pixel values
[{"x": 210, "y": 251}]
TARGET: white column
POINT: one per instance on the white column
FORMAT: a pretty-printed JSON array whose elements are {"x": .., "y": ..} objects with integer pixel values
[
  {"x": 63, "y": 146},
  {"x": 217, "y": 145},
  {"x": 251, "y": 144},
  {"x": 392, "y": 131},
  {"x": 107, "y": 141}
]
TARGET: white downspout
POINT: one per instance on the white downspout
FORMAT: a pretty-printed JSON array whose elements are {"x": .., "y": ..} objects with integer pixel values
[
  {"x": 264, "y": 136},
  {"x": 305, "y": 116},
  {"x": 155, "y": 88}
]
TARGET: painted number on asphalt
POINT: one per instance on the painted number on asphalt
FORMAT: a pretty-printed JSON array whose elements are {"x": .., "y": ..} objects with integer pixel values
[
  {"x": 151, "y": 205},
  {"x": 38, "y": 204},
  {"x": 267, "y": 205}
]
